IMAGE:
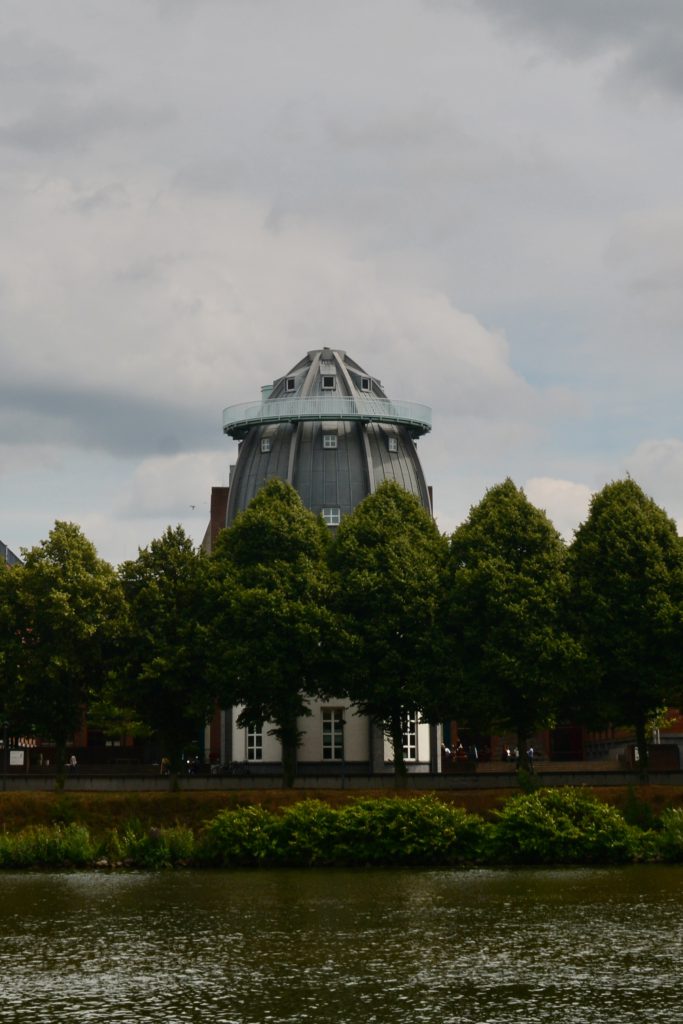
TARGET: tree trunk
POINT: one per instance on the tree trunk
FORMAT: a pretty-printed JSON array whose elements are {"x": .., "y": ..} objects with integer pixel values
[
  {"x": 60, "y": 757},
  {"x": 643, "y": 754},
  {"x": 522, "y": 760},
  {"x": 289, "y": 737},
  {"x": 172, "y": 752}
]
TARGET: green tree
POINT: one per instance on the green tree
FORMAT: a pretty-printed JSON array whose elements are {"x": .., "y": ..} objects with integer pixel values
[
  {"x": 63, "y": 611},
  {"x": 506, "y": 601},
  {"x": 388, "y": 558},
  {"x": 626, "y": 569},
  {"x": 164, "y": 679},
  {"x": 8, "y": 668},
  {"x": 272, "y": 631}
]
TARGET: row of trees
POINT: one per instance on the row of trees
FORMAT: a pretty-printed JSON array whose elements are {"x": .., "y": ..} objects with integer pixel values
[{"x": 502, "y": 626}]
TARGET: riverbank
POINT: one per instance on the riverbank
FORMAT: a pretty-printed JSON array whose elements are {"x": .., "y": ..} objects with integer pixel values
[{"x": 547, "y": 826}]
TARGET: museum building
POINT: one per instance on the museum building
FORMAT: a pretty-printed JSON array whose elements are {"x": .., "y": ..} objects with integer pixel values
[{"x": 327, "y": 428}]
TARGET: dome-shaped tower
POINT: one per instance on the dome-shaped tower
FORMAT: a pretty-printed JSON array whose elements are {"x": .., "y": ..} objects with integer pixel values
[{"x": 328, "y": 429}]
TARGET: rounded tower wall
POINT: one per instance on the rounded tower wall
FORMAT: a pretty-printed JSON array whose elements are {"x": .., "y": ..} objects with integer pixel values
[{"x": 333, "y": 435}]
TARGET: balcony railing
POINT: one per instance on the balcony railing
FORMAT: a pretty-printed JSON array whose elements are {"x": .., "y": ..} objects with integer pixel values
[{"x": 237, "y": 419}]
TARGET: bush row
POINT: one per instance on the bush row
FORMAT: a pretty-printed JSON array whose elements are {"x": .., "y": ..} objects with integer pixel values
[
  {"x": 548, "y": 826},
  {"x": 72, "y": 846}
]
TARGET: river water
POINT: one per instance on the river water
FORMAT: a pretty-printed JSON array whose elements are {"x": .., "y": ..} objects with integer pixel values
[{"x": 487, "y": 947}]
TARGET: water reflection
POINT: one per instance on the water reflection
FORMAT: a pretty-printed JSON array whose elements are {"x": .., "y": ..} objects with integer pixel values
[{"x": 484, "y": 947}]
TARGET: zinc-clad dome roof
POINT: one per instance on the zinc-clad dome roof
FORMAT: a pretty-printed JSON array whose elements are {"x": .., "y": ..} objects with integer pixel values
[{"x": 327, "y": 428}]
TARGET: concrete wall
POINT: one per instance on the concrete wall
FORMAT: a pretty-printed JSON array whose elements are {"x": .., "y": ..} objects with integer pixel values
[{"x": 418, "y": 782}]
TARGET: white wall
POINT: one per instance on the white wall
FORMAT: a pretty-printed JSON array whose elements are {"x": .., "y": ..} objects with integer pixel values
[{"x": 356, "y": 737}]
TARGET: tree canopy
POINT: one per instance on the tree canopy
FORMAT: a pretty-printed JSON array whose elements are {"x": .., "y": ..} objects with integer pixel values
[
  {"x": 164, "y": 676},
  {"x": 507, "y": 592},
  {"x": 626, "y": 569},
  {"x": 502, "y": 628},
  {"x": 272, "y": 629},
  {"x": 388, "y": 559},
  {"x": 63, "y": 611}
]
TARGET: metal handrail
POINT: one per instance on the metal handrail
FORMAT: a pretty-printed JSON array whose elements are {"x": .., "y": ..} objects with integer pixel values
[{"x": 237, "y": 419}]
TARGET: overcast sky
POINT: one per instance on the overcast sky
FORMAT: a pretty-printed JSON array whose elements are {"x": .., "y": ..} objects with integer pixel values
[{"x": 480, "y": 201}]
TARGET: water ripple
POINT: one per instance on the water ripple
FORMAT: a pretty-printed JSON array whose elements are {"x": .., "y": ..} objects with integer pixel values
[{"x": 486, "y": 947}]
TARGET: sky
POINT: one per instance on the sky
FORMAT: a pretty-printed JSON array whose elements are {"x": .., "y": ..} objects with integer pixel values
[{"x": 480, "y": 201}]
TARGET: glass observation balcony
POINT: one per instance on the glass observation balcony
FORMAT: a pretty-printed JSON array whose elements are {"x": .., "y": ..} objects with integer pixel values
[{"x": 237, "y": 419}]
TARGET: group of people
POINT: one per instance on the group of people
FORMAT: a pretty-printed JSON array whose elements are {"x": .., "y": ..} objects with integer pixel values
[
  {"x": 460, "y": 753},
  {"x": 513, "y": 755}
]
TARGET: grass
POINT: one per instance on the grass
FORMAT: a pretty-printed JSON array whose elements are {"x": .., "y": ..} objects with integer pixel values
[{"x": 102, "y": 812}]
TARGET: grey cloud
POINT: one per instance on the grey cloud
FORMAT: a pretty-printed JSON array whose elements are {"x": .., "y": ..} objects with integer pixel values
[
  {"x": 658, "y": 61},
  {"x": 31, "y": 63},
  {"x": 393, "y": 129},
  {"x": 646, "y": 38},
  {"x": 118, "y": 424},
  {"x": 213, "y": 177},
  {"x": 58, "y": 127},
  {"x": 112, "y": 196},
  {"x": 583, "y": 26}
]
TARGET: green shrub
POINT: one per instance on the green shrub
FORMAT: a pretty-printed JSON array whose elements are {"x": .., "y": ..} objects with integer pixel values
[
  {"x": 111, "y": 847},
  {"x": 156, "y": 848},
  {"x": 562, "y": 826},
  {"x": 47, "y": 846},
  {"x": 638, "y": 812},
  {"x": 305, "y": 833},
  {"x": 397, "y": 831},
  {"x": 181, "y": 844},
  {"x": 422, "y": 830},
  {"x": 669, "y": 840},
  {"x": 244, "y": 836}
]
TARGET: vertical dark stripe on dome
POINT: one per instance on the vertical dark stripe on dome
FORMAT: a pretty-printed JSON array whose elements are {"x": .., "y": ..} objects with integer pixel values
[{"x": 359, "y": 427}]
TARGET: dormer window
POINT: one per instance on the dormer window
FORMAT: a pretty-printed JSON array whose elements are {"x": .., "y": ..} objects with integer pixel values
[
  {"x": 392, "y": 444},
  {"x": 290, "y": 384},
  {"x": 266, "y": 444},
  {"x": 329, "y": 440},
  {"x": 329, "y": 382},
  {"x": 365, "y": 384}
]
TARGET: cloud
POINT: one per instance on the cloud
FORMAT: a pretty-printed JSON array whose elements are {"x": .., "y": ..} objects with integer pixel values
[
  {"x": 193, "y": 195},
  {"x": 645, "y": 40},
  {"x": 657, "y": 466},
  {"x": 31, "y": 64},
  {"x": 582, "y": 27},
  {"x": 108, "y": 421},
  {"x": 22, "y": 456},
  {"x": 158, "y": 304},
  {"x": 645, "y": 252},
  {"x": 172, "y": 488},
  {"x": 55, "y": 127},
  {"x": 565, "y": 502}
]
